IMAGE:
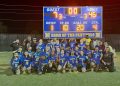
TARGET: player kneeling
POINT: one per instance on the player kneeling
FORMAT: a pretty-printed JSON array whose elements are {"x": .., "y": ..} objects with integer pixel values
[
  {"x": 52, "y": 62},
  {"x": 26, "y": 63},
  {"x": 42, "y": 65},
  {"x": 15, "y": 64},
  {"x": 72, "y": 62},
  {"x": 95, "y": 60},
  {"x": 81, "y": 62},
  {"x": 62, "y": 62}
]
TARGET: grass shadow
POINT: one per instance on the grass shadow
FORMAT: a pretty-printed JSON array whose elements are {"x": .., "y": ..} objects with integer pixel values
[{"x": 5, "y": 70}]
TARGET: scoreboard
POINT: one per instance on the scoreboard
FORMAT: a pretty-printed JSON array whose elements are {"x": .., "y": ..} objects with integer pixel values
[{"x": 72, "y": 22}]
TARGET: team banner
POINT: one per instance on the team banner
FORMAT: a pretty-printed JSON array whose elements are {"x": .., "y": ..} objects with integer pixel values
[{"x": 72, "y": 22}]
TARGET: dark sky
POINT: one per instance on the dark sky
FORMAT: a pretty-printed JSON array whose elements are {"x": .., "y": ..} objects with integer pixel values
[{"x": 25, "y": 16}]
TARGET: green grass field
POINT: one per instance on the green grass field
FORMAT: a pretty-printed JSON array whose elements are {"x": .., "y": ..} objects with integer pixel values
[{"x": 67, "y": 79}]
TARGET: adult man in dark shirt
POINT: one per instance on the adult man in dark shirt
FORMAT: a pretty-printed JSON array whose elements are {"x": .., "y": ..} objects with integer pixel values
[
  {"x": 34, "y": 44},
  {"x": 107, "y": 60},
  {"x": 27, "y": 42},
  {"x": 15, "y": 45}
]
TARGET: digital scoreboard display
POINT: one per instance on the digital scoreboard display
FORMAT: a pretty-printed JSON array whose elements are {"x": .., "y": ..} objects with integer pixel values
[{"x": 72, "y": 22}]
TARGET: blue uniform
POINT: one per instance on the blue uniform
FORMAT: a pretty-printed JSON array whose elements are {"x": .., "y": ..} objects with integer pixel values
[
  {"x": 41, "y": 47},
  {"x": 77, "y": 52},
  {"x": 52, "y": 58},
  {"x": 87, "y": 52},
  {"x": 81, "y": 60},
  {"x": 27, "y": 62},
  {"x": 81, "y": 46},
  {"x": 30, "y": 53},
  {"x": 72, "y": 60},
  {"x": 50, "y": 45},
  {"x": 20, "y": 54},
  {"x": 43, "y": 61},
  {"x": 36, "y": 59},
  {"x": 96, "y": 57},
  {"x": 57, "y": 46},
  {"x": 64, "y": 44},
  {"x": 47, "y": 53},
  {"x": 15, "y": 62},
  {"x": 62, "y": 60},
  {"x": 72, "y": 44}
]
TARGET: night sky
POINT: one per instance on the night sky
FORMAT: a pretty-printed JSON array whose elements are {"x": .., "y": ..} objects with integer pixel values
[{"x": 25, "y": 16}]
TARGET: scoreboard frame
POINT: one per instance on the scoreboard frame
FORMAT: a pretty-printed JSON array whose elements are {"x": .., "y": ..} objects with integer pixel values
[{"x": 74, "y": 31}]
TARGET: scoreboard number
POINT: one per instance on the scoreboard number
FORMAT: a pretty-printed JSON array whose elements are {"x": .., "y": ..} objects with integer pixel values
[
  {"x": 80, "y": 27},
  {"x": 60, "y": 17},
  {"x": 51, "y": 27},
  {"x": 85, "y": 16},
  {"x": 57, "y": 15},
  {"x": 72, "y": 11},
  {"x": 92, "y": 14},
  {"x": 95, "y": 27},
  {"x": 65, "y": 27}
]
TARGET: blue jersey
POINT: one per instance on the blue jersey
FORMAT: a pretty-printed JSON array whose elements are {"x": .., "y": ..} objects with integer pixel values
[
  {"x": 15, "y": 62},
  {"x": 47, "y": 54},
  {"x": 52, "y": 58},
  {"x": 50, "y": 45},
  {"x": 81, "y": 46},
  {"x": 58, "y": 54},
  {"x": 36, "y": 56},
  {"x": 43, "y": 61},
  {"x": 30, "y": 53},
  {"x": 64, "y": 44},
  {"x": 20, "y": 54},
  {"x": 81, "y": 60},
  {"x": 57, "y": 46},
  {"x": 27, "y": 62},
  {"x": 62, "y": 60},
  {"x": 72, "y": 44},
  {"x": 21, "y": 58},
  {"x": 77, "y": 52},
  {"x": 42, "y": 54},
  {"x": 67, "y": 51},
  {"x": 72, "y": 60},
  {"x": 32, "y": 61},
  {"x": 87, "y": 52},
  {"x": 96, "y": 57},
  {"x": 41, "y": 47}
]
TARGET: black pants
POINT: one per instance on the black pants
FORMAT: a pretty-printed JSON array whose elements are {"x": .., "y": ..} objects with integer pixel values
[
  {"x": 42, "y": 68},
  {"x": 110, "y": 67},
  {"x": 53, "y": 68}
]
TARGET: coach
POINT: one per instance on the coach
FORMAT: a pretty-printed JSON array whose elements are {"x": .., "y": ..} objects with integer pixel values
[
  {"x": 15, "y": 44},
  {"x": 107, "y": 60}
]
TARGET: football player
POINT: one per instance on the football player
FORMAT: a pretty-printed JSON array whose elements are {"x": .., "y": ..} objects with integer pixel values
[
  {"x": 81, "y": 62},
  {"x": 62, "y": 62},
  {"x": 26, "y": 63},
  {"x": 15, "y": 64},
  {"x": 72, "y": 61},
  {"x": 52, "y": 62},
  {"x": 95, "y": 59}
]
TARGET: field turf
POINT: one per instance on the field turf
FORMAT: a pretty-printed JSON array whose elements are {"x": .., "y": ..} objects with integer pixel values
[{"x": 67, "y": 79}]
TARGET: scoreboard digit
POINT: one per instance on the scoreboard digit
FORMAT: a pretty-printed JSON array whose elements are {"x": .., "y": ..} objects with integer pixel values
[
  {"x": 72, "y": 11},
  {"x": 65, "y": 28},
  {"x": 72, "y": 22},
  {"x": 80, "y": 27}
]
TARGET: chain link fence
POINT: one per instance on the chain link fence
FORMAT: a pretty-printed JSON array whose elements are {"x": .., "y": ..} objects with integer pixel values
[{"x": 7, "y": 39}]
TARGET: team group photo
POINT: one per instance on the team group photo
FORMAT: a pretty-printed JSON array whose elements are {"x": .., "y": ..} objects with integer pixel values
[{"x": 59, "y": 43}]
